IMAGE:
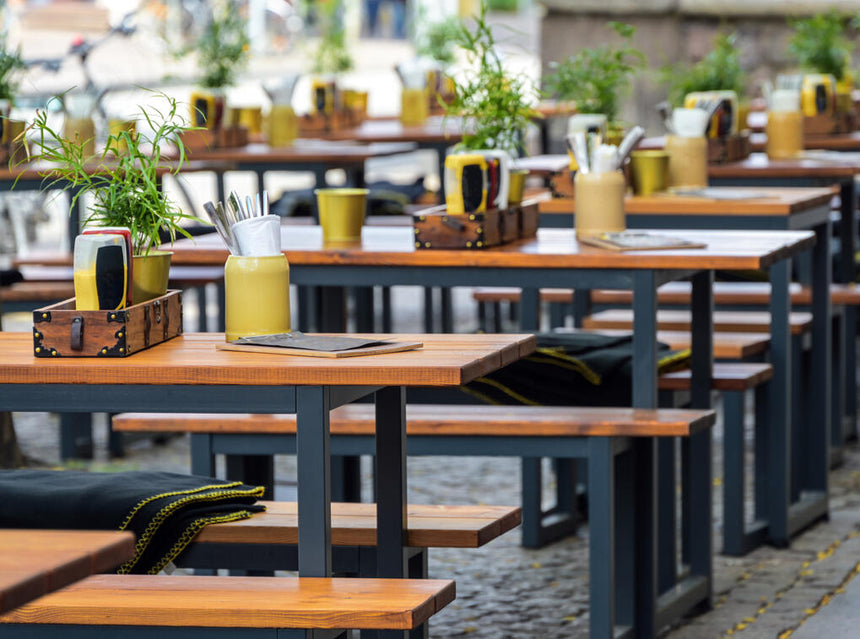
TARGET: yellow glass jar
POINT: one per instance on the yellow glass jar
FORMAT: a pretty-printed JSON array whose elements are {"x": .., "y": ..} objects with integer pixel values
[
  {"x": 283, "y": 125},
  {"x": 688, "y": 161},
  {"x": 413, "y": 106},
  {"x": 256, "y": 295},
  {"x": 599, "y": 205},
  {"x": 81, "y": 130},
  {"x": 784, "y": 134}
]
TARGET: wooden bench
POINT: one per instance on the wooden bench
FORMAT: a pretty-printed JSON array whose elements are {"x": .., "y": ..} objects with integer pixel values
[
  {"x": 528, "y": 432},
  {"x": 605, "y": 437},
  {"x": 267, "y": 541},
  {"x": 680, "y": 320},
  {"x": 189, "y": 607}
]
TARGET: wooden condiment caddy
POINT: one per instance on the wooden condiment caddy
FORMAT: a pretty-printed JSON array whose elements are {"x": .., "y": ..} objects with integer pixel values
[
  {"x": 435, "y": 229},
  {"x": 60, "y": 330}
]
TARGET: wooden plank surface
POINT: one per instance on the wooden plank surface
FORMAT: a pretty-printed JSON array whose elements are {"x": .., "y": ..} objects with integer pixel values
[
  {"x": 434, "y": 130},
  {"x": 241, "y": 602},
  {"x": 552, "y": 248},
  {"x": 36, "y": 562},
  {"x": 777, "y": 202},
  {"x": 458, "y": 420},
  {"x": 679, "y": 320},
  {"x": 337, "y": 154},
  {"x": 444, "y": 360},
  {"x": 354, "y": 524},
  {"x": 758, "y": 165}
]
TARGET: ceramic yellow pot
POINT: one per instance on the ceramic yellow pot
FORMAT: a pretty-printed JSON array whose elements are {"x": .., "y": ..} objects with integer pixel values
[
  {"x": 341, "y": 213},
  {"x": 150, "y": 275},
  {"x": 256, "y": 296},
  {"x": 283, "y": 126}
]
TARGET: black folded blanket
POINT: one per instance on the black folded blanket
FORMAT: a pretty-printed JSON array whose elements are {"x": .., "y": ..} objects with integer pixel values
[
  {"x": 163, "y": 510},
  {"x": 572, "y": 369}
]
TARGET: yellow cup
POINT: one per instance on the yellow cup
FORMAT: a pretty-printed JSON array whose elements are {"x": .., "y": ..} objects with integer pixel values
[
  {"x": 116, "y": 127},
  {"x": 256, "y": 296},
  {"x": 251, "y": 117},
  {"x": 341, "y": 213},
  {"x": 649, "y": 171},
  {"x": 81, "y": 130},
  {"x": 413, "y": 106},
  {"x": 599, "y": 205},
  {"x": 283, "y": 125},
  {"x": 150, "y": 275}
]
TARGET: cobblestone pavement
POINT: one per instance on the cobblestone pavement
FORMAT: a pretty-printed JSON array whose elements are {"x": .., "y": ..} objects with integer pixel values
[{"x": 505, "y": 591}]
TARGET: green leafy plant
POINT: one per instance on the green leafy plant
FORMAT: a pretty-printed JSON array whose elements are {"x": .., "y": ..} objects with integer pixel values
[
  {"x": 719, "y": 70},
  {"x": 438, "y": 40},
  {"x": 222, "y": 49},
  {"x": 124, "y": 179},
  {"x": 10, "y": 62},
  {"x": 496, "y": 106},
  {"x": 331, "y": 54},
  {"x": 820, "y": 45},
  {"x": 595, "y": 78}
]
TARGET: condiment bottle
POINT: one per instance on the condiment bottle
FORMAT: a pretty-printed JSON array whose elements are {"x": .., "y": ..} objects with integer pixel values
[
  {"x": 688, "y": 149},
  {"x": 784, "y": 125}
]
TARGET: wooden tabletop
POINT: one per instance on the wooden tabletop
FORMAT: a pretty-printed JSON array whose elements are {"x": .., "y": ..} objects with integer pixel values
[
  {"x": 761, "y": 201},
  {"x": 434, "y": 130},
  {"x": 445, "y": 360},
  {"x": 42, "y": 171},
  {"x": 758, "y": 165},
  {"x": 303, "y": 151},
  {"x": 552, "y": 248},
  {"x": 36, "y": 562}
]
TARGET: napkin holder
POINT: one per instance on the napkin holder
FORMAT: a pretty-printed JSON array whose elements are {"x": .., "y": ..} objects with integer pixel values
[{"x": 59, "y": 330}]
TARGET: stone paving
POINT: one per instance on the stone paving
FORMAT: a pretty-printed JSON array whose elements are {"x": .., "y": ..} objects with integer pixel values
[{"x": 505, "y": 591}]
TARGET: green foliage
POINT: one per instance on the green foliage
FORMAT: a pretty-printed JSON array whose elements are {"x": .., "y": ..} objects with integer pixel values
[
  {"x": 438, "y": 41},
  {"x": 820, "y": 45},
  {"x": 595, "y": 78},
  {"x": 720, "y": 70},
  {"x": 495, "y": 105},
  {"x": 124, "y": 179},
  {"x": 502, "y": 5},
  {"x": 10, "y": 62},
  {"x": 331, "y": 55},
  {"x": 222, "y": 50}
]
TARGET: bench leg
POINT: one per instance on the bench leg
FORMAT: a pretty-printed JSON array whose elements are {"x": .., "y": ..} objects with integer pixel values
[
  {"x": 532, "y": 481},
  {"x": 667, "y": 522},
  {"x": 76, "y": 436},
  {"x": 733, "y": 474}
]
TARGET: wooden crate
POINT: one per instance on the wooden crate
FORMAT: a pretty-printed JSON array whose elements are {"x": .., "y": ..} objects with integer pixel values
[
  {"x": 729, "y": 148},
  {"x": 59, "y": 330},
  {"x": 435, "y": 229},
  {"x": 529, "y": 217}
]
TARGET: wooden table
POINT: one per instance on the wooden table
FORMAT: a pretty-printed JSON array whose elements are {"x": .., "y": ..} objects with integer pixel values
[
  {"x": 387, "y": 257},
  {"x": 316, "y": 156},
  {"x": 36, "y": 562},
  {"x": 436, "y": 134},
  {"x": 187, "y": 374}
]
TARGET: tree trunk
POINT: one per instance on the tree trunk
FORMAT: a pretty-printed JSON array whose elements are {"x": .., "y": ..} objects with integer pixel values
[{"x": 10, "y": 453}]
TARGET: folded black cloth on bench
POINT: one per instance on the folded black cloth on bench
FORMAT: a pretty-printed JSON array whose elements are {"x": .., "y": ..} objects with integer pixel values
[
  {"x": 572, "y": 369},
  {"x": 10, "y": 276},
  {"x": 163, "y": 510}
]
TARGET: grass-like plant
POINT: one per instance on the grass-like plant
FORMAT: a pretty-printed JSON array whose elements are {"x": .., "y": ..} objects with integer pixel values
[
  {"x": 595, "y": 78},
  {"x": 10, "y": 62},
  {"x": 496, "y": 105},
  {"x": 820, "y": 45},
  {"x": 222, "y": 49},
  {"x": 438, "y": 40},
  {"x": 124, "y": 178},
  {"x": 331, "y": 54},
  {"x": 719, "y": 70}
]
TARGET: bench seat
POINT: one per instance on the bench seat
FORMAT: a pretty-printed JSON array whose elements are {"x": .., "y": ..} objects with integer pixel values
[
  {"x": 160, "y": 601},
  {"x": 680, "y": 320},
  {"x": 354, "y": 524}
]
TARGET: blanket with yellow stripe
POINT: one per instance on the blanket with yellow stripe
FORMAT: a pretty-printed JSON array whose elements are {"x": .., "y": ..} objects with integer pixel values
[{"x": 164, "y": 510}]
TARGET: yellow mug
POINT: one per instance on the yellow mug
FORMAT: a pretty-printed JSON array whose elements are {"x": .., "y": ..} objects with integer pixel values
[{"x": 341, "y": 213}]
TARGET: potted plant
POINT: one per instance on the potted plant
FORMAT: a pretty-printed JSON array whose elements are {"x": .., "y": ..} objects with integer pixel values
[
  {"x": 719, "y": 70},
  {"x": 10, "y": 63},
  {"x": 495, "y": 105},
  {"x": 595, "y": 78},
  {"x": 222, "y": 51},
  {"x": 820, "y": 46},
  {"x": 124, "y": 182}
]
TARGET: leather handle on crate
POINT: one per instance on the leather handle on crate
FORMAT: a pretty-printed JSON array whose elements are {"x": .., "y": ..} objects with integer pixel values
[
  {"x": 453, "y": 223},
  {"x": 77, "y": 334}
]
